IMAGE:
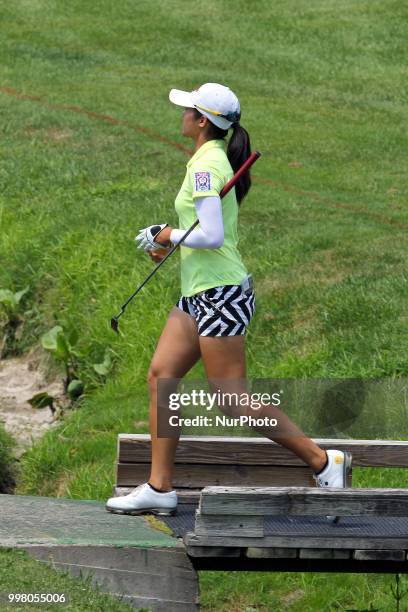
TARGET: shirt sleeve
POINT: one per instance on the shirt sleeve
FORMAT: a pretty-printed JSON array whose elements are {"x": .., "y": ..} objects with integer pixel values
[
  {"x": 206, "y": 180},
  {"x": 210, "y": 234}
]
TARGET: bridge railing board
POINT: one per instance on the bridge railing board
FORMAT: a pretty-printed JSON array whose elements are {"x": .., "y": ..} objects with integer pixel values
[
  {"x": 135, "y": 448},
  {"x": 202, "y": 461}
]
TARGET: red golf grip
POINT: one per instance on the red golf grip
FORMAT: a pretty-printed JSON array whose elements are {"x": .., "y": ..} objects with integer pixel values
[{"x": 245, "y": 166}]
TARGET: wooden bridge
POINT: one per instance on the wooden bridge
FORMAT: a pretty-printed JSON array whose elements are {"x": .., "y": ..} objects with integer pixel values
[{"x": 244, "y": 504}]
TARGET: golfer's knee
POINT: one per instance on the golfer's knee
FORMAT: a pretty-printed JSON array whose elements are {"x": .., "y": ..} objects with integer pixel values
[
  {"x": 242, "y": 406},
  {"x": 156, "y": 370},
  {"x": 230, "y": 404},
  {"x": 153, "y": 377},
  {"x": 160, "y": 379},
  {"x": 230, "y": 410}
]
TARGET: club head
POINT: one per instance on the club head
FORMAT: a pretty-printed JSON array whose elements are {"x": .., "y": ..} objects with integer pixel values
[{"x": 114, "y": 324}]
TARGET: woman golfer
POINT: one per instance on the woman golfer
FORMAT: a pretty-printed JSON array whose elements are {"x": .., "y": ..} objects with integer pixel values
[{"x": 218, "y": 300}]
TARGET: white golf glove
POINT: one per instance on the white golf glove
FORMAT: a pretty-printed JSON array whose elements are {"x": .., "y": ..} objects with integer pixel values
[{"x": 146, "y": 237}]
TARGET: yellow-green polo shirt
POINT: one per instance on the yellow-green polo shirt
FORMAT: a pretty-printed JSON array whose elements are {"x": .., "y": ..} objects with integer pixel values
[{"x": 208, "y": 171}]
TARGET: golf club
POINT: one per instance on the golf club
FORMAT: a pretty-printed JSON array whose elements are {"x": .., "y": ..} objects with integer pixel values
[{"x": 245, "y": 166}]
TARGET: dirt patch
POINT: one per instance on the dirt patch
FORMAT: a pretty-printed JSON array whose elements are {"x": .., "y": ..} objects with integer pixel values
[
  {"x": 324, "y": 270},
  {"x": 290, "y": 598},
  {"x": 54, "y": 134},
  {"x": 20, "y": 379},
  {"x": 57, "y": 135},
  {"x": 305, "y": 320}
]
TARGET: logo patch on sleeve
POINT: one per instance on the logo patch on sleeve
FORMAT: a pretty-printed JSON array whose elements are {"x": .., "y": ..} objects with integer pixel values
[{"x": 202, "y": 181}]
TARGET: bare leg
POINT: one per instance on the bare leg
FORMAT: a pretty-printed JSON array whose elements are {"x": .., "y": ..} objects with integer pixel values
[
  {"x": 224, "y": 358},
  {"x": 177, "y": 351}
]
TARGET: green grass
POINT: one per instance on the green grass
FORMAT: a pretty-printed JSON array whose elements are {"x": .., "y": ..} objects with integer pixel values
[
  {"x": 19, "y": 573},
  {"x": 324, "y": 230},
  {"x": 7, "y": 463}
]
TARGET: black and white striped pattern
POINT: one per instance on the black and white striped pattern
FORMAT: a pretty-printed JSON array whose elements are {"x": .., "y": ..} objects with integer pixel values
[{"x": 220, "y": 311}]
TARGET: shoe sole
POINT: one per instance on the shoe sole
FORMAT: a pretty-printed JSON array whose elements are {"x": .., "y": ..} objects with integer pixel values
[
  {"x": 156, "y": 511},
  {"x": 346, "y": 472}
]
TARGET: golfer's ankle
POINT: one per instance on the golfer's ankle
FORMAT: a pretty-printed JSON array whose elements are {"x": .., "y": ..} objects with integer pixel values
[
  {"x": 163, "y": 486},
  {"x": 320, "y": 463}
]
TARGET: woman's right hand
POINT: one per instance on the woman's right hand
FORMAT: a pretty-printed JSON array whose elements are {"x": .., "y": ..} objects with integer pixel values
[{"x": 157, "y": 254}]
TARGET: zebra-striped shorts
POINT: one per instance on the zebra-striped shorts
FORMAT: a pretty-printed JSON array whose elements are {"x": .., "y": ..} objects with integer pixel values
[{"x": 221, "y": 311}]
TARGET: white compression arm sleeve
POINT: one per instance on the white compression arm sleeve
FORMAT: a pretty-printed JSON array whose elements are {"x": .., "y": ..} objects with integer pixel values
[{"x": 210, "y": 234}]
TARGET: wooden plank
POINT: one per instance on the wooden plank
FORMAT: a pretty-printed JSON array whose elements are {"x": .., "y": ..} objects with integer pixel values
[
  {"x": 160, "y": 575},
  {"x": 270, "y": 553},
  {"x": 222, "y": 525},
  {"x": 379, "y": 555},
  {"x": 296, "y": 541},
  {"x": 200, "y": 475},
  {"x": 299, "y": 565},
  {"x": 184, "y": 496},
  {"x": 135, "y": 448},
  {"x": 244, "y": 563},
  {"x": 303, "y": 501},
  {"x": 214, "y": 551},
  {"x": 324, "y": 553}
]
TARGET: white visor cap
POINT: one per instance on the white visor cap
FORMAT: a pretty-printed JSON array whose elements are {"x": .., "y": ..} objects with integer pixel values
[{"x": 216, "y": 102}]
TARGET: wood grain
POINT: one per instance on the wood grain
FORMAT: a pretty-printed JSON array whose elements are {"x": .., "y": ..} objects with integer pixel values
[
  {"x": 201, "y": 475},
  {"x": 135, "y": 448},
  {"x": 221, "y": 525},
  {"x": 296, "y": 541},
  {"x": 303, "y": 501}
]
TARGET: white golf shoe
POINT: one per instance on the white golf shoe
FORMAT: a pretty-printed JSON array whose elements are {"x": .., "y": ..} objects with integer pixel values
[
  {"x": 144, "y": 499},
  {"x": 335, "y": 473}
]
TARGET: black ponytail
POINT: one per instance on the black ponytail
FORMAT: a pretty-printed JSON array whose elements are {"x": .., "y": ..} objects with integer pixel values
[{"x": 238, "y": 151}]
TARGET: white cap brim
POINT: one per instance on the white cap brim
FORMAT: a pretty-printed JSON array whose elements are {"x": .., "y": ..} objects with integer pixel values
[{"x": 181, "y": 98}]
